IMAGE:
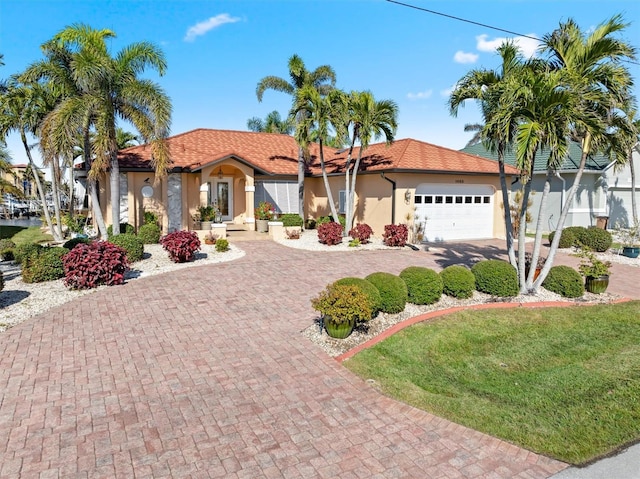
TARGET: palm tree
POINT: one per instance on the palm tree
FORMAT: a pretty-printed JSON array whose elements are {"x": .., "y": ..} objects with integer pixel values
[
  {"x": 477, "y": 135},
  {"x": 487, "y": 88},
  {"x": 125, "y": 139},
  {"x": 316, "y": 113},
  {"x": 273, "y": 123},
  {"x": 589, "y": 66},
  {"x": 323, "y": 80},
  {"x": 109, "y": 87},
  {"x": 366, "y": 119}
]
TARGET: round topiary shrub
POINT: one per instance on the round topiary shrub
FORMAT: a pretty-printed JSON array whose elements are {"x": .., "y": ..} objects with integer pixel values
[
  {"x": 125, "y": 228},
  {"x": 222, "y": 245},
  {"x": 597, "y": 239},
  {"x": 131, "y": 244},
  {"x": 47, "y": 265},
  {"x": 567, "y": 238},
  {"x": 496, "y": 277},
  {"x": 458, "y": 281},
  {"x": 578, "y": 232},
  {"x": 392, "y": 289},
  {"x": 181, "y": 245},
  {"x": 424, "y": 285},
  {"x": 70, "y": 244},
  {"x": 6, "y": 249},
  {"x": 25, "y": 250},
  {"x": 564, "y": 281},
  {"x": 372, "y": 293},
  {"x": 149, "y": 233}
]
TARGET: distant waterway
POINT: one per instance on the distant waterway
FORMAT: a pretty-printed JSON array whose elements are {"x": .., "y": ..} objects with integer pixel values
[{"x": 24, "y": 222}]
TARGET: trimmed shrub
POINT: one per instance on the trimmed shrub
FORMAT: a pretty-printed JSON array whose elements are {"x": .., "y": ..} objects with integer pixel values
[
  {"x": 149, "y": 233},
  {"x": 6, "y": 249},
  {"x": 70, "y": 244},
  {"x": 46, "y": 265},
  {"x": 125, "y": 228},
  {"x": 361, "y": 232},
  {"x": 150, "y": 218},
  {"x": 131, "y": 244},
  {"x": 458, "y": 281},
  {"x": 291, "y": 219},
  {"x": 424, "y": 285},
  {"x": 25, "y": 250},
  {"x": 330, "y": 233},
  {"x": 496, "y": 277},
  {"x": 395, "y": 235},
  {"x": 328, "y": 219},
  {"x": 94, "y": 264},
  {"x": 222, "y": 245},
  {"x": 372, "y": 293},
  {"x": 596, "y": 239},
  {"x": 181, "y": 245},
  {"x": 392, "y": 289},
  {"x": 567, "y": 239},
  {"x": 342, "y": 304},
  {"x": 564, "y": 281}
]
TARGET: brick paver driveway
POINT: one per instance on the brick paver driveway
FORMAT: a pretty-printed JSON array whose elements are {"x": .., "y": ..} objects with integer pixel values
[{"x": 203, "y": 373}]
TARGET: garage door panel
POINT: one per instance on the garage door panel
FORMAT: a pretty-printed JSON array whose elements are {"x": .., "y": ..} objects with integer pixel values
[{"x": 453, "y": 212}]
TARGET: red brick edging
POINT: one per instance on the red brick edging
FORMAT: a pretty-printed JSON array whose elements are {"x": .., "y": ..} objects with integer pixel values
[{"x": 443, "y": 312}]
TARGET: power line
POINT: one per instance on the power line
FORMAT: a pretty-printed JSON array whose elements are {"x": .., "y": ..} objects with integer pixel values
[
  {"x": 460, "y": 19},
  {"x": 463, "y": 20}
]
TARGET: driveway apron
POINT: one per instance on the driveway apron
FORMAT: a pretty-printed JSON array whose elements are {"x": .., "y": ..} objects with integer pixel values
[{"x": 203, "y": 372}]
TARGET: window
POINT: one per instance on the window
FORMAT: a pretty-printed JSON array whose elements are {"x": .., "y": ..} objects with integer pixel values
[
  {"x": 458, "y": 200},
  {"x": 428, "y": 199},
  {"x": 477, "y": 199},
  {"x": 438, "y": 200},
  {"x": 417, "y": 199},
  {"x": 282, "y": 194},
  {"x": 486, "y": 200},
  {"x": 468, "y": 200},
  {"x": 342, "y": 202},
  {"x": 448, "y": 200}
]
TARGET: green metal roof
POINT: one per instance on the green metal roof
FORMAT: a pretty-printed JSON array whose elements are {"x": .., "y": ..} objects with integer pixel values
[{"x": 572, "y": 161}]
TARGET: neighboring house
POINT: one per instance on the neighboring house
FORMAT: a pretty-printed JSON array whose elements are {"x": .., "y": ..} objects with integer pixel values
[
  {"x": 604, "y": 194},
  {"x": 456, "y": 193},
  {"x": 17, "y": 177}
]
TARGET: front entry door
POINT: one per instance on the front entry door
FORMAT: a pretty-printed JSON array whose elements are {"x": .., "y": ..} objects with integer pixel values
[{"x": 223, "y": 194}]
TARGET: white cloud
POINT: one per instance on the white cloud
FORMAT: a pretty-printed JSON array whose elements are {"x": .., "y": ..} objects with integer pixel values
[
  {"x": 446, "y": 93},
  {"x": 201, "y": 28},
  {"x": 463, "y": 57},
  {"x": 528, "y": 46},
  {"x": 422, "y": 95}
]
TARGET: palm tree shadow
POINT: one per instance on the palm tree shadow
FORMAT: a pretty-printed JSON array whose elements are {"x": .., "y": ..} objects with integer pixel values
[{"x": 468, "y": 254}]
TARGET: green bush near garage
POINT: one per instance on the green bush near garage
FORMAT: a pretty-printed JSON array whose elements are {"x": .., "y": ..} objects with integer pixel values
[
  {"x": 392, "y": 289},
  {"x": 458, "y": 281},
  {"x": 496, "y": 277},
  {"x": 564, "y": 281},
  {"x": 424, "y": 285}
]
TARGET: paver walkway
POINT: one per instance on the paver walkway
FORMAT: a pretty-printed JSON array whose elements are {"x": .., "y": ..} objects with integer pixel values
[{"x": 203, "y": 373}]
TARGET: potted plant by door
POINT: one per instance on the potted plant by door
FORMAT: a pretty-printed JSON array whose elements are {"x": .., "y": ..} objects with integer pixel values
[
  {"x": 595, "y": 271},
  {"x": 630, "y": 238},
  {"x": 263, "y": 214},
  {"x": 206, "y": 217},
  {"x": 342, "y": 306}
]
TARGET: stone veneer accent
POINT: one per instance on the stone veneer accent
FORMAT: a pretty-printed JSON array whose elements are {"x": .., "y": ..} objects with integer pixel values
[
  {"x": 174, "y": 202},
  {"x": 124, "y": 199}
]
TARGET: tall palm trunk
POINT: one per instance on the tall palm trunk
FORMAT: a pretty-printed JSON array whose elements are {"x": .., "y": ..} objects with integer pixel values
[
  {"x": 114, "y": 179},
  {"x": 532, "y": 287},
  {"x": 325, "y": 179},
  {"x": 522, "y": 236},
  {"x": 301, "y": 170},
  {"x": 351, "y": 200},
  {"x": 586, "y": 145},
  {"x": 348, "y": 191},
  {"x": 507, "y": 213},
  {"x": 634, "y": 205},
  {"x": 55, "y": 193},
  {"x": 41, "y": 193},
  {"x": 98, "y": 219}
]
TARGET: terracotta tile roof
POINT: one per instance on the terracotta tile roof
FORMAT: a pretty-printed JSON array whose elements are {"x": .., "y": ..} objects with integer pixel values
[{"x": 277, "y": 154}]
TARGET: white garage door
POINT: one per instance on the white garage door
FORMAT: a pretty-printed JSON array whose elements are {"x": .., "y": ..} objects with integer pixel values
[{"x": 455, "y": 212}]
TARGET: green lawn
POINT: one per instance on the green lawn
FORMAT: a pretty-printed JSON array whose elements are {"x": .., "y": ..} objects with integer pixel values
[
  {"x": 558, "y": 381},
  {"x": 21, "y": 234}
]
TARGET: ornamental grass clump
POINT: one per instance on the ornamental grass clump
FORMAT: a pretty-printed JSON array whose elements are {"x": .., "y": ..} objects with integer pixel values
[
  {"x": 392, "y": 289},
  {"x": 395, "y": 235},
  {"x": 496, "y": 277},
  {"x": 330, "y": 233},
  {"x": 373, "y": 295},
  {"x": 181, "y": 246},
  {"x": 341, "y": 303},
  {"x": 424, "y": 285},
  {"x": 361, "y": 232},
  {"x": 131, "y": 244},
  {"x": 458, "y": 281},
  {"x": 564, "y": 281},
  {"x": 95, "y": 264}
]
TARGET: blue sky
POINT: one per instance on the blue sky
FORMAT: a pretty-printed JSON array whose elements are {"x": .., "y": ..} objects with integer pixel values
[{"x": 217, "y": 51}]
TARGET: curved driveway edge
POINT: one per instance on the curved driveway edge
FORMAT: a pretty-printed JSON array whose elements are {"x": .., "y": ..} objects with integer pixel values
[{"x": 203, "y": 372}]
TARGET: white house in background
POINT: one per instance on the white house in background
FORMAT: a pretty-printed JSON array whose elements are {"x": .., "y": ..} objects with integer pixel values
[{"x": 603, "y": 196}]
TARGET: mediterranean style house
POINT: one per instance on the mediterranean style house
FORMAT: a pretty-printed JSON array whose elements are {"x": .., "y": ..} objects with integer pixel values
[
  {"x": 456, "y": 194},
  {"x": 603, "y": 197}
]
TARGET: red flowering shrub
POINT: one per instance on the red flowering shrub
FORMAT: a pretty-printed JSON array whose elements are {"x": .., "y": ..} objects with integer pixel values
[
  {"x": 181, "y": 245},
  {"x": 330, "y": 233},
  {"x": 395, "y": 235},
  {"x": 362, "y": 232},
  {"x": 91, "y": 265}
]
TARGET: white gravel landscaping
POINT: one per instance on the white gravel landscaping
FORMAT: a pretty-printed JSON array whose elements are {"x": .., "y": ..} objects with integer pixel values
[{"x": 20, "y": 301}]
